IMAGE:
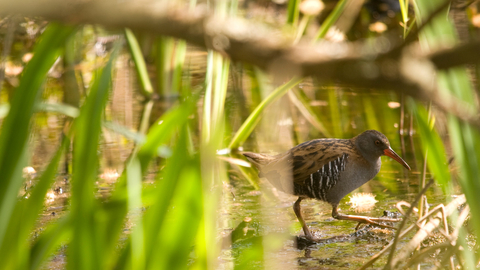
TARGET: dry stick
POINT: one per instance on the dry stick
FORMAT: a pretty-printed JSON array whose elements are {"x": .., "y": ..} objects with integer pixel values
[
  {"x": 251, "y": 43},
  {"x": 428, "y": 228},
  {"x": 453, "y": 237},
  {"x": 418, "y": 258},
  {"x": 403, "y": 203},
  {"x": 404, "y": 221},
  {"x": 448, "y": 255},
  {"x": 447, "y": 235},
  {"x": 423, "y": 201},
  {"x": 461, "y": 219},
  {"x": 449, "y": 209},
  {"x": 421, "y": 211},
  {"x": 377, "y": 256},
  {"x": 451, "y": 245},
  {"x": 441, "y": 209}
]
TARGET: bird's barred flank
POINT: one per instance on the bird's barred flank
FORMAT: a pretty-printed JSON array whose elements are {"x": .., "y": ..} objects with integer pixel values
[{"x": 319, "y": 182}]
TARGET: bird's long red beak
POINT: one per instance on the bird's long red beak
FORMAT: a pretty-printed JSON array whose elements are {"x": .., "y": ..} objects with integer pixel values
[{"x": 389, "y": 152}]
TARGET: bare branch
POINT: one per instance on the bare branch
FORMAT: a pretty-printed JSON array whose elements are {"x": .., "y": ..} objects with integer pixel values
[{"x": 374, "y": 64}]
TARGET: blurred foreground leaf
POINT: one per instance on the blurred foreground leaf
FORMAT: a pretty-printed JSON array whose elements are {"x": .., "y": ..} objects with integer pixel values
[{"x": 15, "y": 133}]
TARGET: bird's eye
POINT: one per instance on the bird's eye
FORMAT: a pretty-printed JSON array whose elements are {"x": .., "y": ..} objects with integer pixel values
[{"x": 377, "y": 142}]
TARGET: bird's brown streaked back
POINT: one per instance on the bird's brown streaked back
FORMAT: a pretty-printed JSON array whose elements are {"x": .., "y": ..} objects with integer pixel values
[{"x": 301, "y": 161}]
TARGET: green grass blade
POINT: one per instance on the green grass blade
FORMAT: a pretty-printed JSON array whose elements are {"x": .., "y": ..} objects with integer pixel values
[
  {"x": 207, "y": 100},
  {"x": 72, "y": 78},
  {"x": 61, "y": 108},
  {"x": 331, "y": 19},
  {"x": 155, "y": 216},
  {"x": 180, "y": 52},
  {"x": 220, "y": 92},
  {"x": 164, "y": 50},
  {"x": 334, "y": 105},
  {"x": 293, "y": 12},
  {"x": 159, "y": 134},
  {"x": 247, "y": 127},
  {"x": 299, "y": 99},
  {"x": 404, "y": 11},
  {"x": 16, "y": 126},
  {"x": 137, "y": 138},
  {"x": 48, "y": 242},
  {"x": 163, "y": 129},
  {"x": 85, "y": 167},
  {"x": 437, "y": 158},
  {"x": 180, "y": 227},
  {"x": 134, "y": 184},
  {"x": 16, "y": 248},
  {"x": 140, "y": 66},
  {"x": 370, "y": 113}
]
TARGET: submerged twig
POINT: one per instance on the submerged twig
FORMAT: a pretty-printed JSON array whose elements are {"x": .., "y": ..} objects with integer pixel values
[
  {"x": 453, "y": 237},
  {"x": 449, "y": 209},
  {"x": 419, "y": 257},
  {"x": 404, "y": 221},
  {"x": 428, "y": 228}
]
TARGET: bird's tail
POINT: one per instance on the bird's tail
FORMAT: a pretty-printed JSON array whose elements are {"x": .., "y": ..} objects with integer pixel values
[{"x": 259, "y": 160}]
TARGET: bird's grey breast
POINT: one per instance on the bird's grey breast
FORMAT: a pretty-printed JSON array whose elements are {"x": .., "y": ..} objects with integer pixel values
[{"x": 356, "y": 174}]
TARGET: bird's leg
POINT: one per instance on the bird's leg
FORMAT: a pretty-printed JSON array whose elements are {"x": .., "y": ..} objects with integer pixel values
[
  {"x": 298, "y": 213},
  {"x": 363, "y": 219}
]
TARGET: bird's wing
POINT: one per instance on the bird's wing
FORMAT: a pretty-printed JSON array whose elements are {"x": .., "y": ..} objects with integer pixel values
[
  {"x": 316, "y": 158},
  {"x": 259, "y": 160},
  {"x": 325, "y": 157}
]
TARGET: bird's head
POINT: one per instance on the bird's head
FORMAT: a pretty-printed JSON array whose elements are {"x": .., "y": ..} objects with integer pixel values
[{"x": 373, "y": 144}]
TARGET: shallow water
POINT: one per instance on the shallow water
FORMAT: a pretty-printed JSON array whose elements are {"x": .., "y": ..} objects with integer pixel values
[
  {"x": 275, "y": 224},
  {"x": 267, "y": 237}
]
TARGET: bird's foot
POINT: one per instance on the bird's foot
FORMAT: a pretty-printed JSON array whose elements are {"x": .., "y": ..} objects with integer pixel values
[
  {"x": 305, "y": 241},
  {"x": 388, "y": 217},
  {"x": 369, "y": 220},
  {"x": 384, "y": 226}
]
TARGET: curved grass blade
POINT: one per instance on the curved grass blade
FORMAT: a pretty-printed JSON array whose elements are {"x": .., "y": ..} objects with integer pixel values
[
  {"x": 15, "y": 251},
  {"x": 180, "y": 226},
  {"x": 61, "y": 108},
  {"x": 47, "y": 243},
  {"x": 335, "y": 106},
  {"x": 164, "y": 50},
  {"x": 331, "y": 19},
  {"x": 247, "y": 127},
  {"x": 293, "y": 12},
  {"x": 154, "y": 218},
  {"x": 300, "y": 101},
  {"x": 137, "y": 138},
  {"x": 163, "y": 129},
  {"x": 140, "y": 66},
  {"x": 85, "y": 165},
  {"x": 160, "y": 133},
  {"x": 437, "y": 158},
  {"x": 16, "y": 126},
  {"x": 178, "y": 69},
  {"x": 134, "y": 184}
]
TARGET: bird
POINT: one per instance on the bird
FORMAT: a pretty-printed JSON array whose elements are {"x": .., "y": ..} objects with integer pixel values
[{"x": 327, "y": 170}]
